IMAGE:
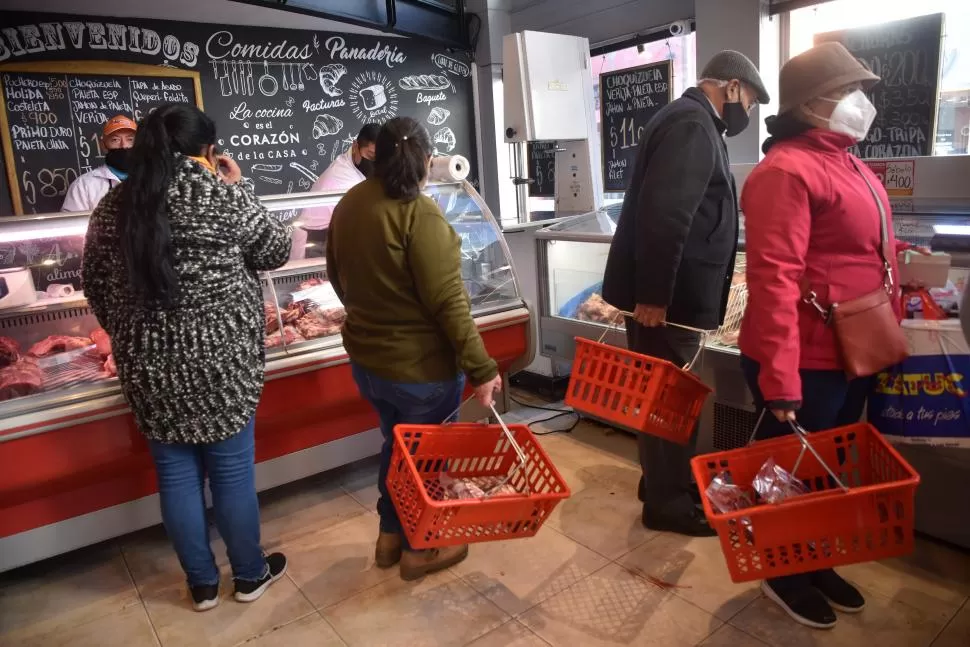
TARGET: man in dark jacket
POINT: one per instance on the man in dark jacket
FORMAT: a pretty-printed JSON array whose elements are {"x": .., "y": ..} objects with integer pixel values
[{"x": 672, "y": 256}]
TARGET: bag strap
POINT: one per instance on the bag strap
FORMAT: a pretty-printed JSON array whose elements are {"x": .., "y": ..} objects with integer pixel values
[{"x": 884, "y": 252}]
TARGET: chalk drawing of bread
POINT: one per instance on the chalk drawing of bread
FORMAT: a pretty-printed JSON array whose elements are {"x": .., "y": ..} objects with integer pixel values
[
  {"x": 446, "y": 137},
  {"x": 438, "y": 116},
  {"x": 326, "y": 125},
  {"x": 329, "y": 76},
  {"x": 425, "y": 82}
]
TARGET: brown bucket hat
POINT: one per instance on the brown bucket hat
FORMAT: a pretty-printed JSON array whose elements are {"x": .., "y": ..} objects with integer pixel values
[{"x": 820, "y": 70}]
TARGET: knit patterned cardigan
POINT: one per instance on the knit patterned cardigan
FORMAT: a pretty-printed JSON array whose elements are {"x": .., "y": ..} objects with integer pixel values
[{"x": 192, "y": 373}]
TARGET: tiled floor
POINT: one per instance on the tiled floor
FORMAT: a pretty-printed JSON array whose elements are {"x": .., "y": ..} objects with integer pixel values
[{"x": 589, "y": 578}]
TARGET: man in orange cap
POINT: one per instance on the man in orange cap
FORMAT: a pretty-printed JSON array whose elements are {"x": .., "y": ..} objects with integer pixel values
[{"x": 86, "y": 192}]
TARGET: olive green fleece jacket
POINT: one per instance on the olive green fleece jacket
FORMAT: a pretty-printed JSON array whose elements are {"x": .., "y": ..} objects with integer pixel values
[{"x": 396, "y": 266}]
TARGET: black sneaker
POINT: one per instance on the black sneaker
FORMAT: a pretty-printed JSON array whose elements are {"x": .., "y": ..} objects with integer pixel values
[
  {"x": 205, "y": 597},
  {"x": 840, "y": 594},
  {"x": 691, "y": 524},
  {"x": 251, "y": 590},
  {"x": 806, "y": 606}
]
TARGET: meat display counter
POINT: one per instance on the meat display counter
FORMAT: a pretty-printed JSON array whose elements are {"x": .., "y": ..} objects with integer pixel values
[{"x": 74, "y": 470}]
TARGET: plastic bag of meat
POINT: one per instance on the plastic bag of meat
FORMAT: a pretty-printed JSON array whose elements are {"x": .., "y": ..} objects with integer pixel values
[
  {"x": 9, "y": 351},
  {"x": 21, "y": 378},
  {"x": 102, "y": 341},
  {"x": 774, "y": 484},
  {"x": 474, "y": 488},
  {"x": 597, "y": 310},
  {"x": 58, "y": 344}
]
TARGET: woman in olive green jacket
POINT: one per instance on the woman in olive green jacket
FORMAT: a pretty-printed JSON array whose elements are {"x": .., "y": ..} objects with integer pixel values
[{"x": 395, "y": 263}]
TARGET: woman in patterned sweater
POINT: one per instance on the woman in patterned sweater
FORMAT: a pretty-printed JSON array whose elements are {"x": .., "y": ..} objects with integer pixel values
[{"x": 170, "y": 269}]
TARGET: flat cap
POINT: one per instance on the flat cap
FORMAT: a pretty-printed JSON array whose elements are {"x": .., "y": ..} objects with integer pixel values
[{"x": 729, "y": 65}]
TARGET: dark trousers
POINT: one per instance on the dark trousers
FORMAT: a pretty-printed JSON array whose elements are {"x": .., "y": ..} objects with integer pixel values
[
  {"x": 666, "y": 481},
  {"x": 829, "y": 400},
  {"x": 429, "y": 403}
]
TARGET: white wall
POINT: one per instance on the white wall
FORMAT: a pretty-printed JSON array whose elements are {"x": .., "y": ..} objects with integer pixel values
[
  {"x": 213, "y": 11},
  {"x": 597, "y": 20}
]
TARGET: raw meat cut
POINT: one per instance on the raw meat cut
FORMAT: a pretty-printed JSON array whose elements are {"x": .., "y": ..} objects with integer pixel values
[
  {"x": 21, "y": 378},
  {"x": 321, "y": 323},
  {"x": 9, "y": 351},
  {"x": 58, "y": 344},
  {"x": 309, "y": 283},
  {"x": 293, "y": 312},
  {"x": 102, "y": 341},
  {"x": 272, "y": 321},
  {"x": 109, "y": 366},
  {"x": 290, "y": 335},
  {"x": 596, "y": 309}
]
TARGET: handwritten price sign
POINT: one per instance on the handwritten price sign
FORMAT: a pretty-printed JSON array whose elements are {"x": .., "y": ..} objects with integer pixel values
[{"x": 899, "y": 177}]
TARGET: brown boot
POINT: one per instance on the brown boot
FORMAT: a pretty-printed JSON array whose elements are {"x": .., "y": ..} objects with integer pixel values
[
  {"x": 388, "y": 551},
  {"x": 415, "y": 564}
]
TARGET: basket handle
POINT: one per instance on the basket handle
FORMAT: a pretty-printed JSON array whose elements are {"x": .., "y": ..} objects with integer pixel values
[
  {"x": 802, "y": 435},
  {"x": 689, "y": 366}
]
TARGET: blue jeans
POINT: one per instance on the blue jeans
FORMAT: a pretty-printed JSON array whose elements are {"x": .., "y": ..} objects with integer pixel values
[
  {"x": 429, "y": 403},
  {"x": 230, "y": 466},
  {"x": 829, "y": 400}
]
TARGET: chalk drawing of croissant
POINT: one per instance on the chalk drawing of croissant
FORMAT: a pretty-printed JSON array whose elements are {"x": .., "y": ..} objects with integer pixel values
[
  {"x": 438, "y": 116},
  {"x": 446, "y": 137},
  {"x": 426, "y": 82},
  {"x": 330, "y": 75},
  {"x": 326, "y": 125}
]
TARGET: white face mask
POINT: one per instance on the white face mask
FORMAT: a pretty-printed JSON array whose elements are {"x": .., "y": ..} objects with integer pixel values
[{"x": 853, "y": 115}]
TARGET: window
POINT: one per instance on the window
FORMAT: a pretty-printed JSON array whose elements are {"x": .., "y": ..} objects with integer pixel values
[{"x": 953, "y": 122}]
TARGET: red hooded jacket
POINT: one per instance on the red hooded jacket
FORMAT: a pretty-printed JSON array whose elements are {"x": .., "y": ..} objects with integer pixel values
[{"x": 808, "y": 218}]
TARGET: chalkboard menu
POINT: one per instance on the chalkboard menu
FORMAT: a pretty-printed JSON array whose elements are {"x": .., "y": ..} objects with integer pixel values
[
  {"x": 286, "y": 102},
  {"x": 53, "y": 114},
  {"x": 906, "y": 55},
  {"x": 628, "y": 100},
  {"x": 542, "y": 169}
]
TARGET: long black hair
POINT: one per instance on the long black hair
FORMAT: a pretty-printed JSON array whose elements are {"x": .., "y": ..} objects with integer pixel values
[
  {"x": 143, "y": 225},
  {"x": 403, "y": 149}
]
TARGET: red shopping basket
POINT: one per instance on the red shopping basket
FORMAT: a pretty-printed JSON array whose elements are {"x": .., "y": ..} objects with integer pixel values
[
  {"x": 638, "y": 392},
  {"x": 422, "y": 453},
  {"x": 871, "y": 519}
]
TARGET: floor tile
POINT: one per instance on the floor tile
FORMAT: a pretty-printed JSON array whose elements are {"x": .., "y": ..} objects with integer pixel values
[
  {"x": 697, "y": 567},
  {"x": 511, "y": 634},
  {"x": 604, "y": 518},
  {"x": 309, "y": 631},
  {"x": 934, "y": 575},
  {"x": 616, "y": 607},
  {"x": 66, "y": 591},
  {"x": 884, "y": 623},
  {"x": 334, "y": 564},
  {"x": 516, "y": 575},
  {"x": 229, "y": 623},
  {"x": 439, "y": 611},
  {"x": 957, "y": 633},
  {"x": 728, "y": 636},
  {"x": 306, "y": 506},
  {"x": 360, "y": 481},
  {"x": 153, "y": 563},
  {"x": 129, "y": 627}
]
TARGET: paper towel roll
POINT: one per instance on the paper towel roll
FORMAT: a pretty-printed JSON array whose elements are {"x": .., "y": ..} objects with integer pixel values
[
  {"x": 450, "y": 168},
  {"x": 58, "y": 290}
]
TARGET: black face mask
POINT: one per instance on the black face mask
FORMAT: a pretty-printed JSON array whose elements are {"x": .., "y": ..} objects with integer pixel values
[
  {"x": 736, "y": 118},
  {"x": 365, "y": 166},
  {"x": 118, "y": 158}
]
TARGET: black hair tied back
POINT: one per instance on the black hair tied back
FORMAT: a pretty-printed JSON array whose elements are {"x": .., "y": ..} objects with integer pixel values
[
  {"x": 403, "y": 149},
  {"x": 143, "y": 225}
]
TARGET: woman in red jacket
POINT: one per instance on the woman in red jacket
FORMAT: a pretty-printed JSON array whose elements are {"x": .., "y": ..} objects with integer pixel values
[{"x": 811, "y": 224}]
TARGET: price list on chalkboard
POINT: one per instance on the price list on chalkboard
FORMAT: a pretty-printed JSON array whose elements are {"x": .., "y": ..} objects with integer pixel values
[
  {"x": 628, "y": 100},
  {"x": 542, "y": 169},
  {"x": 54, "y": 121},
  {"x": 905, "y": 54}
]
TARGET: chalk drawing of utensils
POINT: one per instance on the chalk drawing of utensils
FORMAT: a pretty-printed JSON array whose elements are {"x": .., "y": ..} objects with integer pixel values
[
  {"x": 249, "y": 77},
  {"x": 225, "y": 85},
  {"x": 286, "y": 85},
  {"x": 268, "y": 84},
  {"x": 289, "y": 187},
  {"x": 271, "y": 180},
  {"x": 235, "y": 77},
  {"x": 304, "y": 170},
  {"x": 309, "y": 72},
  {"x": 299, "y": 76},
  {"x": 268, "y": 168},
  {"x": 215, "y": 70}
]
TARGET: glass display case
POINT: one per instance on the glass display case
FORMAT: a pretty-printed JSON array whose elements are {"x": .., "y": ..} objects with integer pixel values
[{"x": 52, "y": 351}]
